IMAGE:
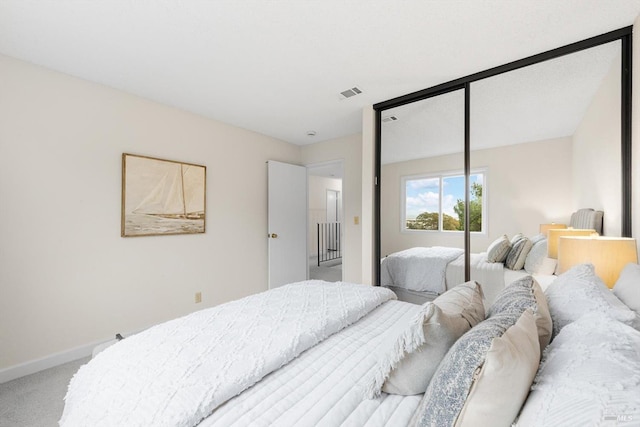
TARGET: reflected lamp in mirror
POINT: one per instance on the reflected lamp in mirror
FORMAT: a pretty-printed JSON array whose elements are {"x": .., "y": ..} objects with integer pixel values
[
  {"x": 555, "y": 234},
  {"x": 544, "y": 228},
  {"x": 608, "y": 255}
]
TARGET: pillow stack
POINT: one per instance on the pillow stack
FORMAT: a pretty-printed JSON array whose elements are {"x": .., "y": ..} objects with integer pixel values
[
  {"x": 486, "y": 375},
  {"x": 579, "y": 291},
  {"x": 588, "y": 376},
  {"x": 522, "y": 252},
  {"x": 413, "y": 358}
]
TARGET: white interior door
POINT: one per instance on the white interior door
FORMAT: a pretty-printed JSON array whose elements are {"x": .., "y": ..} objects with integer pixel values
[{"x": 287, "y": 223}]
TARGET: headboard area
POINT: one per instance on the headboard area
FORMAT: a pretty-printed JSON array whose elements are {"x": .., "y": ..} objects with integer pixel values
[{"x": 587, "y": 218}]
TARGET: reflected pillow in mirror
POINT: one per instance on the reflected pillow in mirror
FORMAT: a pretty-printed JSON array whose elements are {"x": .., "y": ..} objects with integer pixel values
[
  {"x": 537, "y": 261},
  {"x": 518, "y": 254},
  {"x": 499, "y": 249}
]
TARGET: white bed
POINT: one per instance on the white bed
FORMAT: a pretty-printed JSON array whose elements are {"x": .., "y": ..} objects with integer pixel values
[
  {"x": 308, "y": 354},
  {"x": 301, "y": 354},
  {"x": 324, "y": 386},
  {"x": 407, "y": 277},
  {"x": 420, "y": 274}
]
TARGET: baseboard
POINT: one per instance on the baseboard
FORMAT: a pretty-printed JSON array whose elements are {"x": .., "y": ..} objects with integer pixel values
[{"x": 37, "y": 365}]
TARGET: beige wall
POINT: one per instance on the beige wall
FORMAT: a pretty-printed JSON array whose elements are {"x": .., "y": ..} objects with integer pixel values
[
  {"x": 596, "y": 155},
  {"x": 67, "y": 278},
  {"x": 349, "y": 151},
  {"x": 524, "y": 188}
]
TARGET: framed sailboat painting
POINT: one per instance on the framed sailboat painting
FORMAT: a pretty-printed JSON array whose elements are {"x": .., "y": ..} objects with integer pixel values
[{"x": 162, "y": 197}]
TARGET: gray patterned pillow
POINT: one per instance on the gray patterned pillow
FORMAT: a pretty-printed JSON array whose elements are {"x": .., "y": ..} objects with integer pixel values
[
  {"x": 518, "y": 254},
  {"x": 520, "y": 295},
  {"x": 450, "y": 386},
  {"x": 499, "y": 249}
]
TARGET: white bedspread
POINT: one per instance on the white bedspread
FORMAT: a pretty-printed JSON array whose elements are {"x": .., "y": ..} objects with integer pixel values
[
  {"x": 178, "y": 372},
  {"x": 418, "y": 269},
  {"x": 325, "y": 385},
  {"x": 490, "y": 275}
]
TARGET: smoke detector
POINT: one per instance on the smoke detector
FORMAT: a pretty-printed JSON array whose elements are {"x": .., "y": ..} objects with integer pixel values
[{"x": 350, "y": 92}]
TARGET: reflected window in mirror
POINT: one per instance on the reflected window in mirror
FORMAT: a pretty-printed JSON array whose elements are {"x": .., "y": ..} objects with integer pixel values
[{"x": 435, "y": 202}]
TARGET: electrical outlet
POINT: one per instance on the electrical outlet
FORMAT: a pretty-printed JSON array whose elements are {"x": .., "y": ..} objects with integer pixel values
[
  {"x": 356, "y": 220},
  {"x": 198, "y": 297}
]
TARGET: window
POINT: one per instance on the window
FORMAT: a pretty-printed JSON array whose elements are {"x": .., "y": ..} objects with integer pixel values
[{"x": 436, "y": 202}]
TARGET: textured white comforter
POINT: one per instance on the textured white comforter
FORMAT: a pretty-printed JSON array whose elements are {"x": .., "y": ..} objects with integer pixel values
[
  {"x": 178, "y": 372},
  {"x": 325, "y": 385}
]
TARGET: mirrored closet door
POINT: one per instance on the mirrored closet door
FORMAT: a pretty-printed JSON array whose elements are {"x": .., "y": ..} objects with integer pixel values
[{"x": 534, "y": 140}]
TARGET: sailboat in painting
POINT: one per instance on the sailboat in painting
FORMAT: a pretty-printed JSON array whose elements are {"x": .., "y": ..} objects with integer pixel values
[
  {"x": 162, "y": 197},
  {"x": 175, "y": 196}
]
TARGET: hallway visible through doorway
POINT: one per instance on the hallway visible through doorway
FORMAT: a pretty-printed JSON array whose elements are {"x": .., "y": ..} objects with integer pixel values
[{"x": 325, "y": 221}]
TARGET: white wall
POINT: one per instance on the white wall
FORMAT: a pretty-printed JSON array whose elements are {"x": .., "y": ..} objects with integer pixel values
[
  {"x": 349, "y": 150},
  {"x": 67, "y": 278},
  {"x": 596, "y": 154},
  {"x": 318, "y": 187},
  {"x": 525, "y": 186}
]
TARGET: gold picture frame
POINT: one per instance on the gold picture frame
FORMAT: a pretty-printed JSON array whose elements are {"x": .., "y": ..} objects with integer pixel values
[{"x": 162, "y": 197}]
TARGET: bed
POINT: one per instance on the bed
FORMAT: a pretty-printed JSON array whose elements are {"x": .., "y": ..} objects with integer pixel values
[
  {"x": 312, "y": 353},
  {"x": 412, "y": 275},
  {"x": 420, "y": 274}
]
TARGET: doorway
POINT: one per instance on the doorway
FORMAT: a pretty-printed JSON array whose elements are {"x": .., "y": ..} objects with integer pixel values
[{"x": 325, "y": 221}]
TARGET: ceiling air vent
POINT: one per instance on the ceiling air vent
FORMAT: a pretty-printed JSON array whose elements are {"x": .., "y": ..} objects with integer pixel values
[
  {"x": 389, "y": 119},
  {"x": 350, "y": 92}
]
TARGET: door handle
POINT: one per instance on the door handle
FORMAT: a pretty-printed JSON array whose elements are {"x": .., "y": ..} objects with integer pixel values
[{"x": 273, "y": 235}]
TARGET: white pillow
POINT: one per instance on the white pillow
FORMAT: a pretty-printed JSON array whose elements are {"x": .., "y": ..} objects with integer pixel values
[
  {"x": 588, "y": 375},
  {"x": 535, "y": 259},
  {"x": 627, "y": 287},
  {"x": 579, "y": 291},
  {"x": 406, "y": 364},
  {"x": 413, "y": 372}
]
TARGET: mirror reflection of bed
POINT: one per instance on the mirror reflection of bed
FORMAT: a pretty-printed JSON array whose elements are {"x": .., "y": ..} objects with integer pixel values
[
  {"x": 421, "y": 274},
  {"x": 544, "y": 143}
]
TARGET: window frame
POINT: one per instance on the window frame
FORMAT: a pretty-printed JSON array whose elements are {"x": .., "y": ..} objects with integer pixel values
[{"x": 441, "y": 176}]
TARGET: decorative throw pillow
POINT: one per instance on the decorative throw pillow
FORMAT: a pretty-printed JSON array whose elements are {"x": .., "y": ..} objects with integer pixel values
[
  {"x": 485, "y": 377},
  {"x": 520, "y": 295},
  {"x": 537, "y": 261},
  {"x": 410, "y": 361},
  {"x": 516, "y": 237},
  {"x": 627, "y": 287},
  {"x": 588, "y": 375},
  {"x": 518, "y": 254},
  {"x": 579, "y": 291},
  {"x": 499, "y": 249}
]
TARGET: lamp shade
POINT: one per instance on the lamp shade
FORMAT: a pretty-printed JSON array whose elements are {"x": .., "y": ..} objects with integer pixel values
[
  {"x": 554, "y": 235},
  {"x": 608, "y": 255},
  {"x": 544, "y": 228}
]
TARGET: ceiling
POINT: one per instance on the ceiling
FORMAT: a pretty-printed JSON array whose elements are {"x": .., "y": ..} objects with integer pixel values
[
  {"x": 540, "y": 102},
  {"x": 277, "y": 67}
]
